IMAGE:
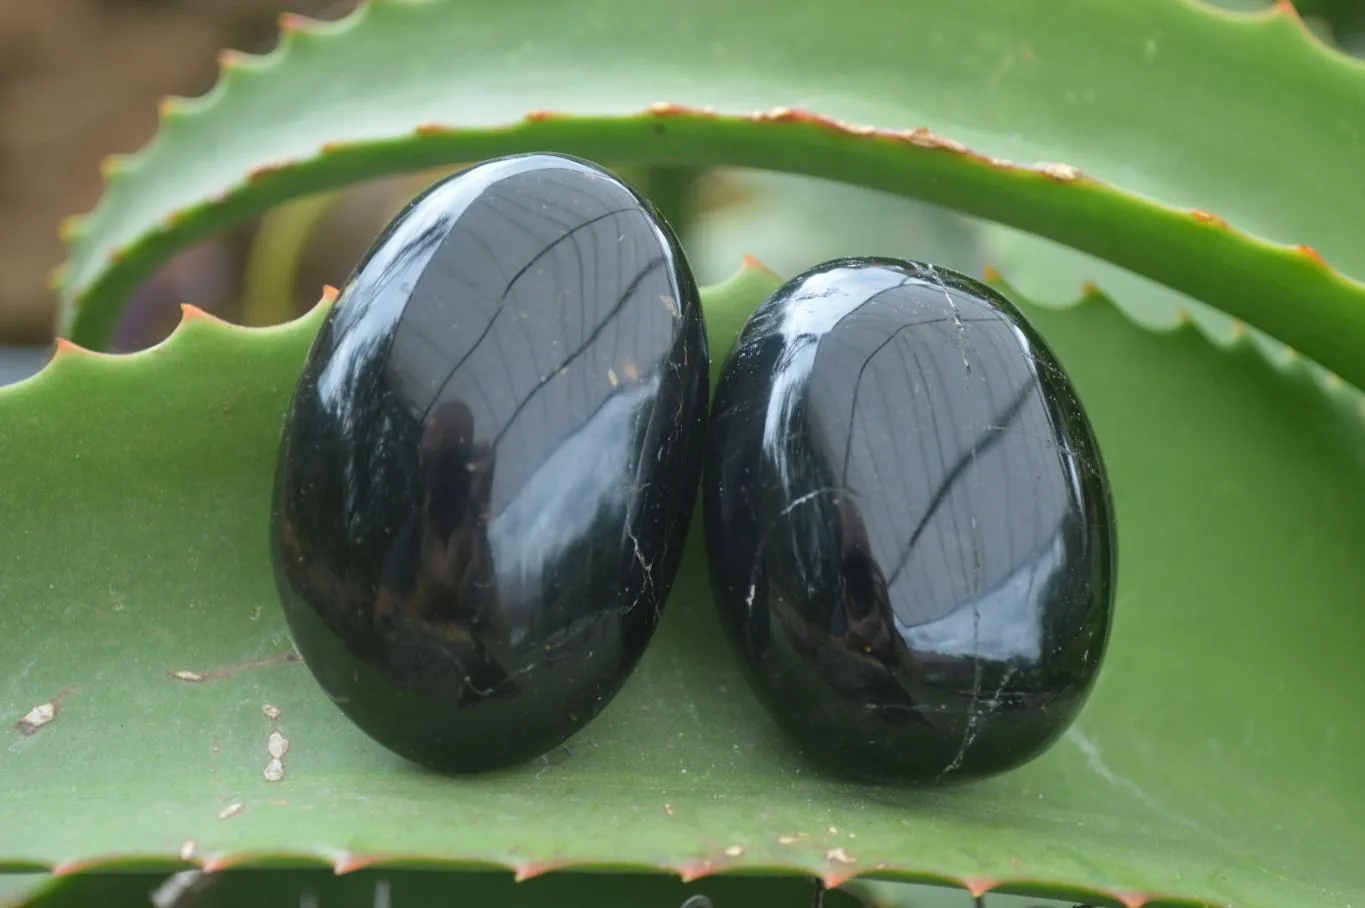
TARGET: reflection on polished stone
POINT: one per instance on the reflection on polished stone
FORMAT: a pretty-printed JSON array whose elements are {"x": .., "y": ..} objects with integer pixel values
[
  {"x": 490, "y": 462},
  {"x": 910, "y": 530}
]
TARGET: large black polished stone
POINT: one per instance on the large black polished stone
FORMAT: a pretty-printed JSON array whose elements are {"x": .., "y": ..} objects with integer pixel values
[
  {"x": 910, "y": 532},
  {"x": 490, "y": 462}
]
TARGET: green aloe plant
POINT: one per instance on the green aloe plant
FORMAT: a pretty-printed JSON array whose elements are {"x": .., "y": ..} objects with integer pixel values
[{"x": 1176, "y": 156}]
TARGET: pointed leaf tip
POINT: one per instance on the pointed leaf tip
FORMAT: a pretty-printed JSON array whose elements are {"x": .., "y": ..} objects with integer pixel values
[
  {"x": 350, "y": 863},
  {"x": 110, "y": 165},
  {"x": 192, "y": 313},
  {"x": 329, "y": 294},
  {"x": 229, "y": 59},
  {"x": 695, "y": 870},
  {"x": 294, "y": 23},
  {"x": 1288, "y": 10},
  {"x": 1312, "y": 255},
  {"x": 64, "y": 347},
  {"x": 69, "y": 227},
  {"x": 837, "y": 876},
  {"x": 753, "y": 263},
  {"x": 529, "y": 870},
  {"x": 977, "y": 887}
]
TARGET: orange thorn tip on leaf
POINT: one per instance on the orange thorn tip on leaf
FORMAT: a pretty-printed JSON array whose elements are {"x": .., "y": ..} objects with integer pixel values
[
  {"x": 691, "y": 872},
  {"x": 215, "y": 864},
  {"x": 427, "y": 130},
  {"x": 529, "y": 870},
  {"x": 230, "y": 59},
  {"x": 110, "y": 165},
  {"x": 166, "y": 107},
  {"x": 69, "y": 226},
  {"x": 265, "y": 170},
  {"x": 668, "y": 109},
  {"x": 978, "y": 886},
  {"x": 192, "y": 313},
  {"x": 1310, "y": 253},
  {"x": 329, "y": 293},
  {"x": 540, "y": 116},
  {"x": 833, "y": 879},
  {"x": 989, "y": 273},
  {"x": 64, "y": 347},
  {"x": 1211, "y": 220},
  {"x": 293, "y": 22},
  {"x": 1090, "y": 288},
  {"x": 752, "y": 263},
  {"x": 350, "y": 863},
  {"x": 1132, "y": 899},
  {"x": 1286, "y": 8}
]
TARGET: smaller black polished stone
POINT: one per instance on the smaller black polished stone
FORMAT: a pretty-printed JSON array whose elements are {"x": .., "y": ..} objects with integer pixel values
[
  {"x": 909, "y": 527},
  {"x": 490, "y": 462}
]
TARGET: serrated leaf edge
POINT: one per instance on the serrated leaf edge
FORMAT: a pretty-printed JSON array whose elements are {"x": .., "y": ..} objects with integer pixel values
[
  {"x": 831, "y": 873},
  {"x": 296, "y": 28}
]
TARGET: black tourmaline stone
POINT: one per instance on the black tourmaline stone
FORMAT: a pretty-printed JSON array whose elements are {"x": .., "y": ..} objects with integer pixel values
[
  {"x": 489, "y": 466},
  {"x": 910, "y": 531}
]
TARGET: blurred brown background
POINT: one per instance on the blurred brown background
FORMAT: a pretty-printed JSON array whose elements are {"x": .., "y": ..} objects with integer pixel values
[{"x": 103, "y": 64}]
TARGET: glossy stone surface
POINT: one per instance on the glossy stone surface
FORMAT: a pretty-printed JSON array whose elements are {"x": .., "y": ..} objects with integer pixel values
[
  {"x": 490, "y": 463},
  {"x": 910, "y": 531}
]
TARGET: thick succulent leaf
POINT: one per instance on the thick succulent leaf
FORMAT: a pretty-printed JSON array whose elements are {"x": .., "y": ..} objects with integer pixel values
[
  {"x": 374, "y": 888},
  {"x": 1218, "y": 758},
  {"x": 1246, "y": 116}
]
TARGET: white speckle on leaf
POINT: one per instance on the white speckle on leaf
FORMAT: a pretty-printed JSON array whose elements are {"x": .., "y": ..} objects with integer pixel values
[
  {"x": 230, "y": 811},
  {"x": 37, "y": 717},
  {"x": 271, "y": 712},
  {"x": 187, "y": 849},
  {"x": 840, "y": 856},
  {"x": 1063, "y": 172},
  {"x": 187, "y": 675},
  {"x": 832, "y": 830},
  {"x": 274, "y": 771},
  {"x": 734, "y": 851},
  {"x": 668, "y": 809},
  {"x": 277, "y": 744}
]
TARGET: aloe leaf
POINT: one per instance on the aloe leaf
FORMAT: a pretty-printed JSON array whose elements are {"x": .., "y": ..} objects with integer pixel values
[
  {"x": 1167, "y": 100},
  {"x": 371, "y": 888},
  {"x": 1217, "y": 760}
]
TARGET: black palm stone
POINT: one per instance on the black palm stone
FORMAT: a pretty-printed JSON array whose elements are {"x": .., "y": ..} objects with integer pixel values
[
  {"x": 909, "y": 527},
  {"x": 489, "y": 464}
]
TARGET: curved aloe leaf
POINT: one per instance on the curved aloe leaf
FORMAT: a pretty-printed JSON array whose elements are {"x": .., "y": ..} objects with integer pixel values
[
  {"x": 1164, "y": 100},
  {"x": 371, "y": 888},
  {"x": 1218, "y": 758}
]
